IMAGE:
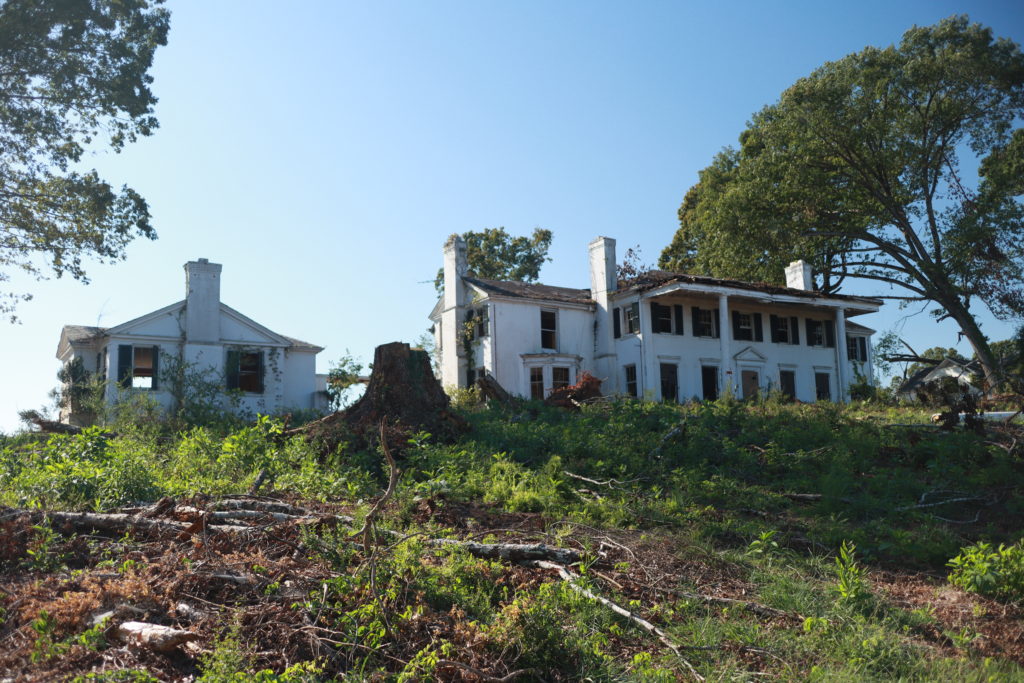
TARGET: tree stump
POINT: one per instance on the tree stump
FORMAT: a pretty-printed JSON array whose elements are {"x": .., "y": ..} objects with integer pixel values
[{"x": 404, "y": 392}]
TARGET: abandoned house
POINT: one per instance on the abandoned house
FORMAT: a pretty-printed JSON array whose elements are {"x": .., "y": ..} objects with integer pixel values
[
  {"x": 660, "y": 336},
  {"x": 199, "y": 338},
  {"x": 965, "y": 373}
]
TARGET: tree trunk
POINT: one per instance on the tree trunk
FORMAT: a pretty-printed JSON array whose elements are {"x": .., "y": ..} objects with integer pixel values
[{"x": 979, "y": 343}]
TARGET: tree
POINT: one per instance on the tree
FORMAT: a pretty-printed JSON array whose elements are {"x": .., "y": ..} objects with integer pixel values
[
  {"x": 493, "y": 254},
  {"x": 71, "y": 72},
  {"x": 857, "y": 170}
]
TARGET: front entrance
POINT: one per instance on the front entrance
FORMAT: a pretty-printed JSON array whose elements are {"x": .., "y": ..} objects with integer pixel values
[{"x": 751, "y": 383}]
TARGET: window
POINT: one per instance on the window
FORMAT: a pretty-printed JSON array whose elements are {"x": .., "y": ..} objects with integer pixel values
[
  {"x": 631, "y": 386},
  {"x": 787, "y": 383},
  {"x": 477, "y": 322},
  {"x": 709, "y": 381},
  {"x": 537, "y": 384},
  {"x": 548, "y": 330},
  {"x": 821, "y": 333},
  {"x": 138, "y": 366},
  {"x": 747, "y": 326},
  {"x": 857, "y": 348},
  {"x": 785, "y": 330},
  {"x": 666, "y": 319},
  {"x": 705, "y": 322},
  {"x": 244, "y": 371},
  {"x": 633, "y": 318},
  {"x": 559, "y": 378},
  {"x": 616, "y": 323},
  {"x": 822, "y": 386},
  {"x": 669, "y": 382}
]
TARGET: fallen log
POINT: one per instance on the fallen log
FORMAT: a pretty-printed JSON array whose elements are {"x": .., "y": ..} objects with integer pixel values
[
  {"x": 152, "y": 636},
  {"x": 119, "y": 522},
  {"x": 511, "y": 552}
]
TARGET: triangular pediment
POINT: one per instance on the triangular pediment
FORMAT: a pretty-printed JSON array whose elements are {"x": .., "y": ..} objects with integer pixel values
[
  {"x": 750, "y": 355},
  {"x": 240, "y": 329},
  {"x": 164, "y": 322}
]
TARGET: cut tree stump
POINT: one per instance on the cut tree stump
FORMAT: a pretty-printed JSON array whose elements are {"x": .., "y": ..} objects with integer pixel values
[{"x": 403, "y": 391}]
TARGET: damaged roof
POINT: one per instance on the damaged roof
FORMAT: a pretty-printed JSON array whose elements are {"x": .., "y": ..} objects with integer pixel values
[
  {"x": 659, "y": 278},
  {"x": 529, "y": 290}
]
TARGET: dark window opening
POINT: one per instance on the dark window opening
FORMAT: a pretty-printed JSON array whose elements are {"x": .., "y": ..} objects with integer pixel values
[
  {"x": 822, "y": 386},
  {"x": 669, "y": 382},
  {"x": 787, "y": 383},
  {"x": 245, "y": 371},
  {"x": 537, "y": 383},
  {"x": 661, "y": 318},
  {"x": 138, "y": 366},
  {"x": 785, "y": 330},
  {"x": 821, "y": 333},
  {"x": 705, "y": 322},
  {"x": 747, "y": 326},
  {"x": 548, "y": 330},
  {"x": 709, "y": 381},
  {"x": 631, "y": 386},
  {"x": 559, "y": 378},
  {"x": 857, "y": 349}
]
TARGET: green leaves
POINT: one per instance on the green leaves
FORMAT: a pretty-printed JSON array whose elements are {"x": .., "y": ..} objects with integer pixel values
[
  {"x": 493, "y": 254},
  {"x": 71, "y": 72}
]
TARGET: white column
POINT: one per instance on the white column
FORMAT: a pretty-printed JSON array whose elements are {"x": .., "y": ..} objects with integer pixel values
[
  {"x": 842, "y": 359},
  {"x": 650, "y": 386},
  {"x": 725, "y": 338}
]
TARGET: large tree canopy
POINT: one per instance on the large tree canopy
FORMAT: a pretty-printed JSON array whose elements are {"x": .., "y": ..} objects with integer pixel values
[
  {"x": 494, "y": 254},
  {"x": 73, "y": 74},
  {"x": 857, "y": 169}
]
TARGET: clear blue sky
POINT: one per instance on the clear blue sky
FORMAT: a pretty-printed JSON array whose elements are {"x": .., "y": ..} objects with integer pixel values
[{"x": 322, "y": 151}]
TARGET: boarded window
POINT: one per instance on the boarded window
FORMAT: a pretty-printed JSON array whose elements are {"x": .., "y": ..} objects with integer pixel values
[
  {"x": 244, "y": 370},
  {"x": 631, "y": 385},
  {"x": 787, "y": 383},
  {"x": 709, "y": 381},
  {"x": 537, "y": 383},
  {"x": 138, "y": 367},
  {"x": 669, "y": 382},
  {"x": 751, "y": 382},
  {"x": 559, "y": 378},
  {"x": 548, "y": 330},
  {"x": 823, "y": 386}
]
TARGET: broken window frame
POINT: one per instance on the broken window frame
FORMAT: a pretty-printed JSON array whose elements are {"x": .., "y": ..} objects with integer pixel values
[
  {"x": 549, "y": 329},
  {"x": 251, "y": 378},
  {"x": 632, "y": 386},
  {"x": 537, "y": 383},
  {"x": 632, "y": 315},
  {"x": 131, "y": 374},
  {"x": 560, "y": 377}
]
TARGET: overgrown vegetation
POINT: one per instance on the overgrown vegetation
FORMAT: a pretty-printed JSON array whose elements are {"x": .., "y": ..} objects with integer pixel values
[{"x": 797, "y": 541}]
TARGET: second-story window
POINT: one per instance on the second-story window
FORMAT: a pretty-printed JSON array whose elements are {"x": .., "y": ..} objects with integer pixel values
[
  {"x": 747, "y": 326},
  {"x": 548, "y": 330},
  {"x": 821, "y": 333},
  {"x": 705, "y": 322},
  {"x": 632, "y": 313},
  {"x": 785, "y": 330}
]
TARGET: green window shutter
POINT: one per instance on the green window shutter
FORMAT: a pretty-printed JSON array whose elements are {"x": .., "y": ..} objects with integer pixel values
[
  {"x": 809, "y": 324},
  {"x": 616, "y": 324},
  {"x": 758, "y": 327},
  {"x": 231, "y": 368},
  {"x": 261, "y": 372},
  {"x": 735, "y": 324},
  {"x": 124, "y": 365},
  {"x": 830, "y": 334},
  {"x": 677, "y": 312},
  {"x": 156, "y": 368},
  {"x": 655, "y": 310},
  {"x": 794, "y": 330},
  {"x": 718, "y": 323},
  {"x": 773, "y": 322}
]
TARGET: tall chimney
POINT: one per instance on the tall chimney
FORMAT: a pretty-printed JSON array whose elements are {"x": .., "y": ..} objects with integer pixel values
[
  {"x": 455, "y": 267},
  {"x": 602, "y": 267},
  {"x": 202, "y": 301},
  {"x": 799, "y": 276},
  {"x": 453, "y": 362}
]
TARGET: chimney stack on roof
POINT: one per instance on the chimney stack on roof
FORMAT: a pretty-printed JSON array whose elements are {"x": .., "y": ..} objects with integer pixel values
[
  {"x": 202, "y": 301},
  {"x": 800, "y": 276}
]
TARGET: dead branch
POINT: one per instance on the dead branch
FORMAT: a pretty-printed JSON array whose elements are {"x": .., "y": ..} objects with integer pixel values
[
  {"x": 152, "y": 636},
  {"x": 512, "y": 552},
  {"x": 487, "y": 678},
  {"x": 923, "y": 506},
  {"x": 610, "y": 483},
  {"x": 621, "y": 611},
  {"x": 119, "y": 523},
  {"x": 367, "y": 531}
]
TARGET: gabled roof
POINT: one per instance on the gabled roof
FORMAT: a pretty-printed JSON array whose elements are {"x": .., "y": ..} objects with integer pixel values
[
  {"x": 530, "y": 290},
  {"x": 958, "y": 368}
]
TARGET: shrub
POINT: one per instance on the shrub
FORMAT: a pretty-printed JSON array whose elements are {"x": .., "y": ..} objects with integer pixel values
[{"x": 995, "y": 572}]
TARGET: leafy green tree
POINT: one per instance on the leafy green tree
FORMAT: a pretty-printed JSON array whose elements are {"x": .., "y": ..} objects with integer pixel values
[
  {"x": 343, "y": 375},
  {"x": 73, "y": 74},
  {"x": 857, "y": 169},
  {"x": 493, "y": 254}
]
